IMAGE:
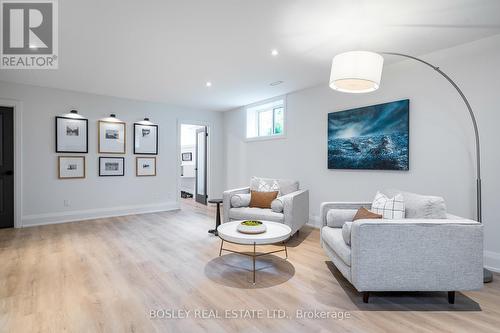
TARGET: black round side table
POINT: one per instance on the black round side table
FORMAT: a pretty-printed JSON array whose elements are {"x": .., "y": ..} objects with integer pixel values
[{"x": 217, "y": 218}]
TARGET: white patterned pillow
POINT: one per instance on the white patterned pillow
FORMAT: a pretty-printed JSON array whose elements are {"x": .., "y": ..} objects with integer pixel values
[
  {"x": 389, "y": 208},
  {"x": 264, "y": 185}
]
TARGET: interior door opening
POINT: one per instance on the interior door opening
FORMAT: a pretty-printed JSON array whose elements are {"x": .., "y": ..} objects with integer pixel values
[
  {"x": 194, "y": 156},
  {"x": 6, "y": 167}
]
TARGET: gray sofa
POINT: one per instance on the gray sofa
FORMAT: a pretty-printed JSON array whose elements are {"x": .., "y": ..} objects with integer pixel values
[
  {"x": 411, "y": 254},
  {"x": 292, "y": 203}
]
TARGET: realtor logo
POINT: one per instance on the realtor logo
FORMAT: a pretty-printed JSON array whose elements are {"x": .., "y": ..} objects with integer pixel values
[{"x": 29, "y": 34}]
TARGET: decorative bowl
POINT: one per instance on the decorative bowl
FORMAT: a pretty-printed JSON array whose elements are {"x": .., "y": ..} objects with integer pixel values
[{"x": 251, "y": 227}]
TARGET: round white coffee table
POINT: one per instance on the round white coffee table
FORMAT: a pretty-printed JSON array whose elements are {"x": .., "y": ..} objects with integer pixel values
[{"x": 275, "y": 233}]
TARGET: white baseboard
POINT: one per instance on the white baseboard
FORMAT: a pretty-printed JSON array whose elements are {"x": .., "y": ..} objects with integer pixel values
[
  {"x": 492, "y": 261},
  {"x": 73, "y": 216}
]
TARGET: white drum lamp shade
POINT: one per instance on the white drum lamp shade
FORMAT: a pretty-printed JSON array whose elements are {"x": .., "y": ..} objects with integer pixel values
[{"x": 356, "y": 72}]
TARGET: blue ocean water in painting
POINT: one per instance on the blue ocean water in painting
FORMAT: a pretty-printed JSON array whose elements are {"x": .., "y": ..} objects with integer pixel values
[{"x": 373, "y": 137}]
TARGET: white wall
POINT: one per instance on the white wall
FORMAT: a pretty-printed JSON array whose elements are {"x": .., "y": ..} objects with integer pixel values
[
  {"x": 188, "y": 134},
  {"x": 441, "y": 138},
  {"x": 43, "y": 194}
]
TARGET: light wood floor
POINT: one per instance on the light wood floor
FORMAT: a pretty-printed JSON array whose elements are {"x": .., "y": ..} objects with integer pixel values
[{"x": 107, "y": 275}]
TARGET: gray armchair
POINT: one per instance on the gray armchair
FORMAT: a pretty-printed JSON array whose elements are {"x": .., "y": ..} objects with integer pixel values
[
  {"x": 292, "y": 208},
  {"x": 411, "y": 254}
]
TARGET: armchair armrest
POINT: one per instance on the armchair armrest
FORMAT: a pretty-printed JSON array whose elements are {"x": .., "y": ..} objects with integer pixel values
[
  {"x": 296, "y": 209},
  {"x": 226, "y": 201},
  {"x": 417, "y": 254},
  {"x": 326, "y": 206}
]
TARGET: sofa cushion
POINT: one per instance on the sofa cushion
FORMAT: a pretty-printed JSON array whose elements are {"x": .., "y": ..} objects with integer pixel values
[
  {"x": 288, "y": 186},
  {"x": 284, "y": 186},
  {"x": 262, "y": 199},
  {"x": 390, "y": 208},
  {"x": 335, "y": 218},
  {"x": 333, "y": 237},
  {"x": 418, "y": 206},
  {"x": 277, "y": 205},
  {"x": 346, "y": 232},
  {"x": 249, "y": 213},
  {"x": 240, "y": 200}
]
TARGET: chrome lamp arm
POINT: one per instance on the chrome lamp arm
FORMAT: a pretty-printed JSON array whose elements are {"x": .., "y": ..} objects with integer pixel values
[{"x": 474, "y": 124}]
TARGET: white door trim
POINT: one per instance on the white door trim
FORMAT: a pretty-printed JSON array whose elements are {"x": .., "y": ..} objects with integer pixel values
[
  {"x": 210, "y": 128},
  {"x": 18, "y": 158}
]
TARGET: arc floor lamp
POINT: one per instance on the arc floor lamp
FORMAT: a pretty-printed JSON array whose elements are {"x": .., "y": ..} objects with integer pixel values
[{"x": 360, "y": 72}]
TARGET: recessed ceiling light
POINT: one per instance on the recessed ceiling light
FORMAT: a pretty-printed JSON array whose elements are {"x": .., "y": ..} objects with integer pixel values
[
  {"x": 274, "y": 52},
  {"x": 275, "y": 83},
  {"x": 208, "y": 84}
]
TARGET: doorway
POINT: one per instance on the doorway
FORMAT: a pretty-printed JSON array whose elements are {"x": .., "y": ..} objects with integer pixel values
[
  {"x": 194, "y": 156},
  {"x": 6, "y": 167}
]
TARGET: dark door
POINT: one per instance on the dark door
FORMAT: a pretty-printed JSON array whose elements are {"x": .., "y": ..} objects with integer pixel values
[
  {"x": 6, "y": 167},
  {"x": 201, "y": 165}
]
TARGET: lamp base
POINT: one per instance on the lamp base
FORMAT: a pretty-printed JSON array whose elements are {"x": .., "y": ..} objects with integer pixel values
[{"x": 488, "y": 276}]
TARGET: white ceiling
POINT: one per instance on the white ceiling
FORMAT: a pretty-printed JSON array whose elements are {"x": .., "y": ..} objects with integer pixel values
[{"x": 165, "y": 51}]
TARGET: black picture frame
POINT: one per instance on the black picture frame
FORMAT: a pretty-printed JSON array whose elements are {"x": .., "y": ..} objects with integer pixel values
[
  {"x": 112, "y": 158},
  {"x": 187, "y": 157},
  {"x": 57, "y": 119},
  {"x": 137, "y": 151}
]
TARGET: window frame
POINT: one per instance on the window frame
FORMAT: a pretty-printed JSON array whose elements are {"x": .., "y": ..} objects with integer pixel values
[{"x": 273, "y": 136}]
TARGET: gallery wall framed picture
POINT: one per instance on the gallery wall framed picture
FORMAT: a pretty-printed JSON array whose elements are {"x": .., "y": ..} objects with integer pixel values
[
  {"x": 72, "y": 135},
  {"x": 111, "y": 166},
  {"x": 145, "y": 139},
  {"x": 111, "y": 137},
  {"x": 71, "y": 167},
  {"x": 145, "y": 166}
]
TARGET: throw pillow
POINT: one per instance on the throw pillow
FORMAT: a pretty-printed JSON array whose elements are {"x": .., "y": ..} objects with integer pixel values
[
  {"x": 346, "y": 232},
  {"x": 277, "y": 205},
  {"x": 240, "y": 200},
  {"x": 262, "y": 199},
  {"x": 390, "y": 208},
  {"x": 364, "y": 213},
  {"x": 335, "y": 218},
  {"x": 264, "y": 185}
]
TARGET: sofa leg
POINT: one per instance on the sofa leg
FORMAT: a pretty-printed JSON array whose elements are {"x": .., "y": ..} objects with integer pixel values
[
  {"x": 451, "y": 297},
  {"x": 297, "y": 233},
  {"x": 366, "y": 296}
]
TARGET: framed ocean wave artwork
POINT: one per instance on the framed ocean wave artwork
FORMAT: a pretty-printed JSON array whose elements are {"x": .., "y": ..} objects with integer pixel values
[{"x": 370, "y": 138}]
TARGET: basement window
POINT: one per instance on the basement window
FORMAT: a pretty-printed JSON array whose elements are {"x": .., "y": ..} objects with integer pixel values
[{"x": 266, "y": 120}]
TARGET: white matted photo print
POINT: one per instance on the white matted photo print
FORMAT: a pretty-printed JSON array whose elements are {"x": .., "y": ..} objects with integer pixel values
[
  {"x": 71, "y": 167},
  {"x": 111, "y": 166},
  {"x": 145, "y": 139},
  {"x": 112, "y": 136},
  {"x": 145, "y": 166},
  {"x": 71, "y": 135}
]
